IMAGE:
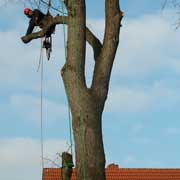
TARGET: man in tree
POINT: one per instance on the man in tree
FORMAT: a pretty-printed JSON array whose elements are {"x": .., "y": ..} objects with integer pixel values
[{"x": 36, "y": 17}]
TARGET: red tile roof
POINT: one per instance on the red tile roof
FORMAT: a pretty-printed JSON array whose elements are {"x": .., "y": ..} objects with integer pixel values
[{"x": 113, "y": 172}]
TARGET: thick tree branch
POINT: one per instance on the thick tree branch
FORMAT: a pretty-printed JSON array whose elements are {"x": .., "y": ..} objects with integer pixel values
[
  {"x": 90, "y": 37},
  {"x": 75, "y": 60},
  {"x": 36, "y": 35},
  {"x": 104, "y": 65}
]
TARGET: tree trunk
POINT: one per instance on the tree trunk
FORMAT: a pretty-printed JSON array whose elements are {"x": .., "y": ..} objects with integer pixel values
[
  {"x": 87, "y": 128},
  {"x": 90, "y": 157}
]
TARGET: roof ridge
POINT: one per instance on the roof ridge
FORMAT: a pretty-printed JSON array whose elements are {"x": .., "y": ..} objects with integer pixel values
[
  {"x": 150, "y": 168},
  {"x": 123, "y": 168}
]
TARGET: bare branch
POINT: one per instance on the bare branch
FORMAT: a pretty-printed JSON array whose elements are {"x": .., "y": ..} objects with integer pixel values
[
  {"x": 103, "y": 66},
  {"x": 94, "y": 42}
]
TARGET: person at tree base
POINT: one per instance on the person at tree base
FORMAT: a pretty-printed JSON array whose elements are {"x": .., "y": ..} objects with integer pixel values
[{"x": 36, "y": 18}]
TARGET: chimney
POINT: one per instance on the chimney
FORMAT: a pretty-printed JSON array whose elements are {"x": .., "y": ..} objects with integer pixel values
[{"x": 112, "y": 166}]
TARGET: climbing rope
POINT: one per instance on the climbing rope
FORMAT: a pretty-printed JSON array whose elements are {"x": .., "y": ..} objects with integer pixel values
[
  {"x": 41, "y": 106},
  {"x": 40, "y": 57},
  {"x": 83, "y": 154},
  {"x": 44, "y": 43}
]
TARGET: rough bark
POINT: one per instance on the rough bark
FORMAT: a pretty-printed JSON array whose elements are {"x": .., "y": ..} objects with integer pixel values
[{"x": 103, "y": 66}]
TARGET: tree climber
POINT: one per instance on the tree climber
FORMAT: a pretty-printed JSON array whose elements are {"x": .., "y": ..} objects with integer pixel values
[{"x": 36, "y": 19}]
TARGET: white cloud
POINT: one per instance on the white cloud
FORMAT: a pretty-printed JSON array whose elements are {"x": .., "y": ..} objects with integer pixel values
[
  {"x": 20, "y": 83},
  {"x": 26, "y": 109},
  {"x": 148, "y": 45},
  {"x": 127, "y": 99},
  {"x": 21, "y": 157},
  {"x": 131, "y": 99},
  {"x": 19, "y": 62}
]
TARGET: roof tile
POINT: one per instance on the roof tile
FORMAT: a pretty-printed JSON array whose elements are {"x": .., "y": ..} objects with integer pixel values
[{"x": 113, "y": 172}]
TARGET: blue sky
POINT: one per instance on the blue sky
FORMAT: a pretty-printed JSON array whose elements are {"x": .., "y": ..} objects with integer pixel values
[{"x": 141, "y": 118}]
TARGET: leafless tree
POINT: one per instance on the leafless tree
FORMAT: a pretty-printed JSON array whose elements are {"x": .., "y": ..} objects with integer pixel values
[{"x": 87, "y": 104}]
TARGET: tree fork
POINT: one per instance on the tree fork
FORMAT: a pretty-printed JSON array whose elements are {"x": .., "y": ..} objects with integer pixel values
[{"x": 93, "y": 99}]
